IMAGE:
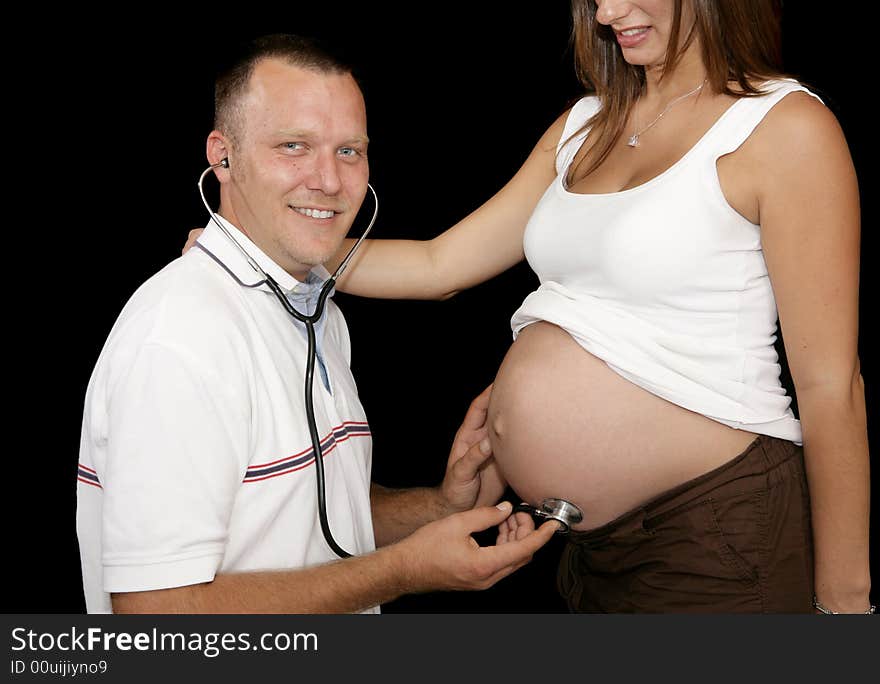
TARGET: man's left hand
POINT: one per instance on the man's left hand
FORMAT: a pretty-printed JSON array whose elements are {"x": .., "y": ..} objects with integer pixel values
[{"x": 472, "y": 477}]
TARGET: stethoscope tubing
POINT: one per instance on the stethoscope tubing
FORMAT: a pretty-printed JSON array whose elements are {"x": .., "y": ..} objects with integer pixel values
[
  {"x": 312, "y": 352},
  {"x": 311, "y": 356}
]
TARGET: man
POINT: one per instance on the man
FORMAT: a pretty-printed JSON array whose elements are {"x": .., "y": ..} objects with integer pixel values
[{"x": 196, "y": 490}]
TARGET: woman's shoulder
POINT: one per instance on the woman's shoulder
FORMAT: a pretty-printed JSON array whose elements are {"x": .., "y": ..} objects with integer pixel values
[
  {"x": 767, "y": 87},
  {"x": 796, "y": 125},
  {"x": 583, "y": 109},
  {"x": 775, "y": 110},
  {"x": 796, "y": 115},
  {"x": 573, "y": 119}
]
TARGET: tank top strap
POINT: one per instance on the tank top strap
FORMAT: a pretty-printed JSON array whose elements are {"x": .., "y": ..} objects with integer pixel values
[
  {"x": 744, "y": 115},
  {"x": 567, "y": 147}
]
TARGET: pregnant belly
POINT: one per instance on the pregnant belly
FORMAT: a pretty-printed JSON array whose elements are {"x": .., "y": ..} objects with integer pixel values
[{"x": 564, "y": 425}]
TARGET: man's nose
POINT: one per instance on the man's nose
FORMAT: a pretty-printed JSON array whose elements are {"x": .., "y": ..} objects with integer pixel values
[{"x": 325, "y": 175}]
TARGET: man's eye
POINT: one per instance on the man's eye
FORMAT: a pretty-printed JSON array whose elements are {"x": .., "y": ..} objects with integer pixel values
[
  {"x": 293, "y": 146},
  {"x": 349, "y": 151}
]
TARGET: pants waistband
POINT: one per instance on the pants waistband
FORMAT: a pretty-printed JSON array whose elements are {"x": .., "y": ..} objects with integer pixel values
[{"x": 750, "y": 470}]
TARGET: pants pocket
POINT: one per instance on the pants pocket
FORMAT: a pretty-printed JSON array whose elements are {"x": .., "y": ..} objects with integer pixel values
[
  {"x": 709, "y": 553},
  {"x": 738, "y": 529}
]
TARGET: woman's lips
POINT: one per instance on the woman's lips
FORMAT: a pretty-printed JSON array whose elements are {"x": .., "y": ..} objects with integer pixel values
[{"x": 633, "y": 36}]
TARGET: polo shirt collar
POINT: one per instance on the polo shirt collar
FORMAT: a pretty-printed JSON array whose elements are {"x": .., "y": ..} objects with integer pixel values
[{"x": 216, "y": 244}]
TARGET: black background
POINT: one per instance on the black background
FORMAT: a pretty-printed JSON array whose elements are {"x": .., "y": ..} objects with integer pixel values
[{"x": 112, "y": 111}]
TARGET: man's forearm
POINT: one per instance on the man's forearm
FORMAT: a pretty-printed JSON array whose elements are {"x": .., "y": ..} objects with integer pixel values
[
  {"x": 399, "y": 512},
  {"x": 344, "y": 586}
]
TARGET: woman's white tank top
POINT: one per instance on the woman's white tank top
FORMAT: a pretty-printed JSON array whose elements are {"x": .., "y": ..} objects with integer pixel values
[{"x": 665, "y": 282}]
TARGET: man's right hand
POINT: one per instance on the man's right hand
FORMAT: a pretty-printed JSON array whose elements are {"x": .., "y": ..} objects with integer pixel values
[
  {"x": 443, "y": 556},
  {"x": 191, "y": 240}
]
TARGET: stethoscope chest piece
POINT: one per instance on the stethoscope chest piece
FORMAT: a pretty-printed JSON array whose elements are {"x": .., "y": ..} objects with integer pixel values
[{"x": 562, "y": 511}]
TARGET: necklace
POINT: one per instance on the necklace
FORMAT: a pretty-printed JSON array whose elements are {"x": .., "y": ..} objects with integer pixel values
[{"x": 634, "y": 138}]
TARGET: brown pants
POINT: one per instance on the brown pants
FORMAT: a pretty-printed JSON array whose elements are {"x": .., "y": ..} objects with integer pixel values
[{"x": 735, "y": 540}]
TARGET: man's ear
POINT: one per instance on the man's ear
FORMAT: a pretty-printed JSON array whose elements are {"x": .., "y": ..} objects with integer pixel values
[{"x": 217, "y": 150}]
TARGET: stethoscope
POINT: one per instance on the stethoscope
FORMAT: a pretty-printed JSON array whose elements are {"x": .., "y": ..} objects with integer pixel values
[
  {"x": 564, "y": 512},
  {"x": 309, "y": 321}
]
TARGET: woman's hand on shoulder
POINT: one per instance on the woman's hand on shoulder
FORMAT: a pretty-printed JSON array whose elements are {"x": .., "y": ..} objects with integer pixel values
[{"x": 191, "y": 239}]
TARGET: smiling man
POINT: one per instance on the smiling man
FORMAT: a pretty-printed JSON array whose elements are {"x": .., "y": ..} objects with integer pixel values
[
  {"x": 299, "y": 141},
  {"x": 196, "y": 482}
]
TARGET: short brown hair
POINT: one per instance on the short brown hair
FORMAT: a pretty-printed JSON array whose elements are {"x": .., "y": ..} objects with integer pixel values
[{"x": 232, "y": 80}]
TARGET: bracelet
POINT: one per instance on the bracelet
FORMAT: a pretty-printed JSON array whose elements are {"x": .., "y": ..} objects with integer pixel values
[{"x": 822, "y": 609}]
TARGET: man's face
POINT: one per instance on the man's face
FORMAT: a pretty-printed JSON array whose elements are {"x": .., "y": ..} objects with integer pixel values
[{"x": 298, "y": 171}]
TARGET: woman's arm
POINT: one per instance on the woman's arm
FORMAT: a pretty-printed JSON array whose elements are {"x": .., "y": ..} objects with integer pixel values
[
  {"x": 477, "y": 248},
  {"x": 809, "y": 215}
]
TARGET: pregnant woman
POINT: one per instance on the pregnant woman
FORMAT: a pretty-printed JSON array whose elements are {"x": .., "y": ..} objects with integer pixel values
[{"x": 694, "y": 195}]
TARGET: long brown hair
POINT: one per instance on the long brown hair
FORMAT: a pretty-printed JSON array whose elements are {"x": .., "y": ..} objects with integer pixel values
[{"x": 740, "y": 41}]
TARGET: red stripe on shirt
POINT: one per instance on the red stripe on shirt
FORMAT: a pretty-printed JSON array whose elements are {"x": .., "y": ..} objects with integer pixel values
[{"x": 307, "y": 463}]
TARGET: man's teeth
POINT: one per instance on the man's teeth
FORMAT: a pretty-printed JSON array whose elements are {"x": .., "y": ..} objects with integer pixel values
[
  {"x": 633, "y": 32},
  {"x": 314, "y": 213}
]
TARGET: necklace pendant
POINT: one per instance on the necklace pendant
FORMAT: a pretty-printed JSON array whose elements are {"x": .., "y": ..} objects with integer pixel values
[{"x": 633, "y": 140}]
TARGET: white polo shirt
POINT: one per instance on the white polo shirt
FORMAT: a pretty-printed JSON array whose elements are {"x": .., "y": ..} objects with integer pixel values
[{"x": 195, "y": 456}]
